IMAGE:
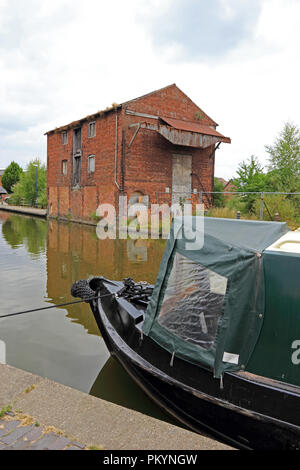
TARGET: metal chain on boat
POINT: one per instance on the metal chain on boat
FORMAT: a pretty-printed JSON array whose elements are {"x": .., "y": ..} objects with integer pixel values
[{"x": 135, "y": 291}]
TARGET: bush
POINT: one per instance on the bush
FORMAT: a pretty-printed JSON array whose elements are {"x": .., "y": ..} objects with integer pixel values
[
  {"x": 16, "y": 197},
  {"x": 239, "y": 203},
  {"x": 219, "y": 199},
  {"x": 42, "y": 200},
  {"x": 277, "y": 203}
]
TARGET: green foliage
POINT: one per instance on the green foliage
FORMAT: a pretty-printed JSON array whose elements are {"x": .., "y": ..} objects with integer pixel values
[
  {"x": 278, "y": 203},
  {"x": 240, "y": 203},
  {"x": 222, "y": 212},
  {"x": 42, "y": 199},
  {"x": 95, "y": 217},
  {"x": 11, "y": 176},
  {"x": 5, "y": 410},
  {"x": 251, "y": 178},
  {"x": 283, "y": 175},
  {"x": 199, "y": 115},
  {"x": 219, "y": 199},
  {"x": 33, "y": 182},
  {"x": 284, "y": 160}
]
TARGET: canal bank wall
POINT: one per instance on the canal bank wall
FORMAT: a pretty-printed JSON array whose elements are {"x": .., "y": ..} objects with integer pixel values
[
  {"x": 90, "y": 420},
  {"x": 43, "y": 213},
  {"x": 24, "y": 210}
]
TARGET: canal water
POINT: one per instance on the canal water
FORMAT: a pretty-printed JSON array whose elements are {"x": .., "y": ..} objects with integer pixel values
[{"x": 39, "y": 261}]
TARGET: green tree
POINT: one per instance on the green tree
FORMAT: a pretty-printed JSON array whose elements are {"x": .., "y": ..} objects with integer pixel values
[
  {"x": 11, "y": 176},
  {"x": 251, "y": 178},
  {"x": 284, "y": 160},
  {"x": 32, "y": 185},
  {"x": 219, "y": 199}
]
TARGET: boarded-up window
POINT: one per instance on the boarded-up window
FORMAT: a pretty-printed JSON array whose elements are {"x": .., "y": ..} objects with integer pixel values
[
  {"x": 64, "y": 138},
  {"x": 76, "y": 171},
  {"x": 77, "y": 141},
  {"x": 91, "y": 164},
  {"x": 64, "y": 167},
  {"x": 92, "y": 129}
]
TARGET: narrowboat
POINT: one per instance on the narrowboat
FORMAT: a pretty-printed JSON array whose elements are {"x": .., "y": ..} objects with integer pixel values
[{"x": 216, "y": 341}]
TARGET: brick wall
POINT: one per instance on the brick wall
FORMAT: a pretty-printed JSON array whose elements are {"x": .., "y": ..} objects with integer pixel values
[
  {"x": 80, "y": 203},
  {"x": 145, "y": 167},
  {"x": 148, "y": 166}
]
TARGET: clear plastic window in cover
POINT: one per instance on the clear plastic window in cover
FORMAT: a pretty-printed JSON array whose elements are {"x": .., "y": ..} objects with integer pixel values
[{"x": 193, "y": 302}]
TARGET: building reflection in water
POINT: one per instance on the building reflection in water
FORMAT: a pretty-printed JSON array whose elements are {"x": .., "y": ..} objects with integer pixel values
[
  {"x": 44, "y": 258},
  {"x": 74, "y": 252}
]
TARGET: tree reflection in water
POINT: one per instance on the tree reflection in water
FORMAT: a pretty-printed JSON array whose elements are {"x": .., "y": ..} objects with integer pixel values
[{"x": 28, "y": 231}]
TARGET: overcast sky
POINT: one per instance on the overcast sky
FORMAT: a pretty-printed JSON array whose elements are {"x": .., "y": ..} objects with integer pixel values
[{"x": 60, "y": 60}]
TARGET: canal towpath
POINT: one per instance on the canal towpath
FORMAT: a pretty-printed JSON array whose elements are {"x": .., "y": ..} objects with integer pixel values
[
  {"x": 24, "y": 210},
  {"x": 43, "y": 415}
]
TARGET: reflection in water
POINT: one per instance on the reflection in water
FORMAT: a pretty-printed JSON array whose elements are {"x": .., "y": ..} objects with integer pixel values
[
  {"x": 114, "y": 384},
  {"x": 25, "y": 231},
  {"x": 39, "y": 262},
  {"x": 74, "y": 252}
]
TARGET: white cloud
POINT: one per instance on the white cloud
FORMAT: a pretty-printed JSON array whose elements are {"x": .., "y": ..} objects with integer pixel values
[{"x": 63, "y": 59}]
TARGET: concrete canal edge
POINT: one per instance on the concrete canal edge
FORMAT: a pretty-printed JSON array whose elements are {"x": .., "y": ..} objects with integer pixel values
[
  {"x": 43, "y": 213},
  {"x": 91, "y": 420},
  {"x": 24, "y": 210}
]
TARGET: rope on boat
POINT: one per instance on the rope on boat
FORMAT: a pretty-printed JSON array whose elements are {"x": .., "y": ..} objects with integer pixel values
[
  {"x": 54, "y": 306},
  {"x": 131, "y": 291}
]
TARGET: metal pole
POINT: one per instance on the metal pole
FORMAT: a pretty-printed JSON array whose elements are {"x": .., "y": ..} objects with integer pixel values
[
  {"x": 36, "y": 186},
  {"x": 262, "y": 203}
]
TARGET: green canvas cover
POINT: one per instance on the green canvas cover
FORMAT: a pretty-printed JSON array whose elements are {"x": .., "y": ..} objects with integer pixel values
[
  {"x": 207, "y": 306},
  {"x": 276, "y": 354}
]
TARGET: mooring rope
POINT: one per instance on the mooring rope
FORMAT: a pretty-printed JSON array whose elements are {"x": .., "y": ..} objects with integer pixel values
[{"x": 54, "y": 306}]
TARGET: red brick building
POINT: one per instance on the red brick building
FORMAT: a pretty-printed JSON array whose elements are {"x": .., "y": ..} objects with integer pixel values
[{"x": 161, "y": 146}]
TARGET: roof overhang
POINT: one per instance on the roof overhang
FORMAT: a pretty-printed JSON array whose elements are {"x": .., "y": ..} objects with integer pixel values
[
  {"x": 190, "y": 133},
  {"x": 187, "y": 133}
]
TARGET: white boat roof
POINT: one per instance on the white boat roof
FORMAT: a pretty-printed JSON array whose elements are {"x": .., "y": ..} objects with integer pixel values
[{"x": 289, "y": 243}]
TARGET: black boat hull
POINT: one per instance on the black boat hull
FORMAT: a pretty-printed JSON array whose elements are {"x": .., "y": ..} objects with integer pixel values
[{"x": 246, "y": 413}]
